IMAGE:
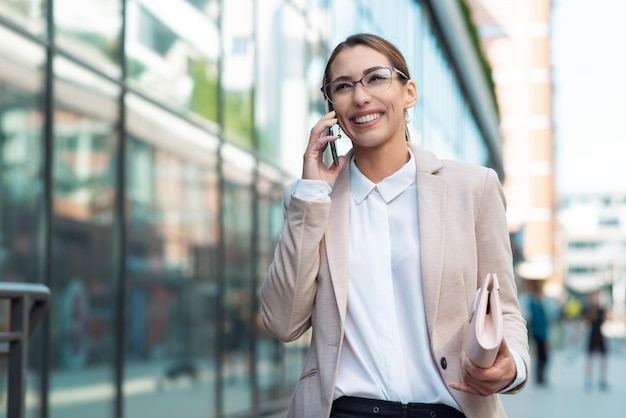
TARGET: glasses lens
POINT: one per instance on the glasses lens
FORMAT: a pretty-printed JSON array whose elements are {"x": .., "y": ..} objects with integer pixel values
[
  {"x": 338, "y": 91},
  {"x": 378, "y": 80}
]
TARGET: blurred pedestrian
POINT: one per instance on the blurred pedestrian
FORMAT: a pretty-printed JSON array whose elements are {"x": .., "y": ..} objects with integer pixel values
[
  {"x": 538, "y": 326},
  {"x": 596, "y": 346},
  {"x": 571, "y": 320},
  {"x": 381, "y": 255}
]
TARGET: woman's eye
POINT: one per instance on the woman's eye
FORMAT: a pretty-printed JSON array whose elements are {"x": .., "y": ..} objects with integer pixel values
[
  {"x": 376, "y": 78},
  {"x": 342, "y": 87}
]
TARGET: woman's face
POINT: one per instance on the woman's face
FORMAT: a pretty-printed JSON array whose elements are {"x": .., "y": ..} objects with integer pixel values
[{"x": 371, "y": 118}]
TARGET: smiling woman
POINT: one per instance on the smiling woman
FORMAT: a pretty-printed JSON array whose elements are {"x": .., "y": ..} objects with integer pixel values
[{"x": 363, "y": 250}]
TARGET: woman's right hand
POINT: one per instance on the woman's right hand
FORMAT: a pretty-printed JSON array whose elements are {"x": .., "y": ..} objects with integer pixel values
[{"x": 314, "y": 167}]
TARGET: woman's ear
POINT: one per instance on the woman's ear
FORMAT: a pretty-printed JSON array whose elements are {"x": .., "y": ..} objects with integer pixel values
[{"x": 411, "y": 93}]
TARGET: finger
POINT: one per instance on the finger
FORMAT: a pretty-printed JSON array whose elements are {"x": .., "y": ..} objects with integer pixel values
[
  {"x": 324, "y": 123},
  {"x": 336, "y": 168},
  {"x": 327, "y": 130},
  {"x": 463, "y": 388}
]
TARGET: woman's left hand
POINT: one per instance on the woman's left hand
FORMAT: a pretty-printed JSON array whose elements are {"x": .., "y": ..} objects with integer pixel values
[{"x": 479, "y": 381}]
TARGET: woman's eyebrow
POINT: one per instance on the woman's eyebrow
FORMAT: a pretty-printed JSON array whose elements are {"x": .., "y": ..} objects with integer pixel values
[{"x": 366, "y": 71}]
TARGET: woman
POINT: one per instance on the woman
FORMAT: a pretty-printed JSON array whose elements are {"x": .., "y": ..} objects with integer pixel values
[
  {"x": 596, "y": 345},
  {"x": 380, "y": 255}
]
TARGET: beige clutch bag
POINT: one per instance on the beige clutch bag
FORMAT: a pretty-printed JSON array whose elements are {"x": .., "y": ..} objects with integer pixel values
[{"x": 483, "y": 334}]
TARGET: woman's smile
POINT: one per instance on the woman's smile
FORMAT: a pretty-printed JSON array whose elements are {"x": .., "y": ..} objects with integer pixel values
[{"x": 366, "y": 118}]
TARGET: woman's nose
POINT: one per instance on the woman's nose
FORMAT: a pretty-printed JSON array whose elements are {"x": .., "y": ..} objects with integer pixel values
[{"x": 360, "y": 95}]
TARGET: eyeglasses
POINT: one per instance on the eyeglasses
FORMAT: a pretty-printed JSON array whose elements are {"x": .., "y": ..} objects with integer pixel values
[{"x": 377, "y": 79}]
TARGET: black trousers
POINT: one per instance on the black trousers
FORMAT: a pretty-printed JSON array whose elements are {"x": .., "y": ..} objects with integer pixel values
[{"x": 352, "y": 407}]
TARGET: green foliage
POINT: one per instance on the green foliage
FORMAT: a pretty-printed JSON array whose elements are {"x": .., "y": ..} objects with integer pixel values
[
  {"x": 238, "y": 116},
  {"x": 205, "y": 89},
  {"x": 486, "y": 67}
]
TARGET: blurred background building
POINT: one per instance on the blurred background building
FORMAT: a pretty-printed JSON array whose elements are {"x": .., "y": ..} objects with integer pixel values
[
  {"x": 593, "y": 251},
  {"x": 144, "y": 146},
  {"x": 516, "y": 38}
]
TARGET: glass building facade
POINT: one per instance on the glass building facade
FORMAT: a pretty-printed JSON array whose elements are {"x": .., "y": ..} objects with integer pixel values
[{"x": 144, "y": 146}]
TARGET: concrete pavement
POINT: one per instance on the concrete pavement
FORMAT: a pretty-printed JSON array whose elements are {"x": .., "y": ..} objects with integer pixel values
[{"x": 565, "y": 394}]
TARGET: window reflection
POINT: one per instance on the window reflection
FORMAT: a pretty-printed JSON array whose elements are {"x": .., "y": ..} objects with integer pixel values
[
  {"x": 30, "y": 15},
  {"x": 172, "y": 286},
  {"x": 21, "y": 183},
  {"x": 238, "y": 76},
  {"x": 90, "y": 30},
  {"x": 82, "y": 273},
  {"x": 269, "y": 351},
  {"x": 173, "y": 56},
  {"x": 237, "y": 197},
  {"x": 269, "y": 75}
]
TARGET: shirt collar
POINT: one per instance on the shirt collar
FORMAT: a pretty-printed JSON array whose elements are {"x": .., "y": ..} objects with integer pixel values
[{"x": 389, "y": 188}]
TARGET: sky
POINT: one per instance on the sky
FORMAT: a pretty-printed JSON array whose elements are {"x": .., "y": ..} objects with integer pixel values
[{"x": 589, "y": 70}]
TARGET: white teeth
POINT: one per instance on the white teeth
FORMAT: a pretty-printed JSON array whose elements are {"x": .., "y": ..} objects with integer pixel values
[{"x": 367, "y": 118}]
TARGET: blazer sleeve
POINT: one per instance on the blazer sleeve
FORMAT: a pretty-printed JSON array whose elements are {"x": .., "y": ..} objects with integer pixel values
[
  {"x": 289, "y": 289},
  {"x": 494, "y": 255}
]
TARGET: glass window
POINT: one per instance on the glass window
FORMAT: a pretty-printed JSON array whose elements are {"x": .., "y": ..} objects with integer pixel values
[
  {"x": 83, "y": 273},
  {"x": 21, "y": 129},
  {"x": 172, "y": 246},
  {"x": 238, "y": 70},
  {"x": 269, "y": 367},
  {"x": 239, "y": 287},
  {"x": 268, "y": 80},
  {"x": 90, "y": 31},
  {"x": 21, "y": 183},
  {"x": 172, "y": 53},
  {"x": 30, "y": 15},
  {"x": 289, "y": 73}
]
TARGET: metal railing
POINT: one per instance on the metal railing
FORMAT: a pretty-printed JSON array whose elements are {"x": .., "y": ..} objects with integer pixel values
[{"x": 28, "y": 303}]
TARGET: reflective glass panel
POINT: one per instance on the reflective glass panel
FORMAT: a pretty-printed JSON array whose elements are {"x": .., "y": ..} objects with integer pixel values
[
  {"x": 239, "y": 287},
  {"x": 268, "y": 349},
  {"x": 29, "y": 14},
  {"x": 288, "y": 78},
  {"x": 172, "y": 285},
  {"x": 238, "y": 70},
  {"x": 172, "y": 50},
  {"x": 91, "y": 31},
  {"x": 21, "y": 186},
  {"x": 83, "y": 271}
]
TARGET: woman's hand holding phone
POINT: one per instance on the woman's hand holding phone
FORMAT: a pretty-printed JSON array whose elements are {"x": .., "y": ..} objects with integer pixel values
[{"x": 314, "y": 167}]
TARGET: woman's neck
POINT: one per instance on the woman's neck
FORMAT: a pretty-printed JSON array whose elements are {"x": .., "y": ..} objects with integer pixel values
[{"x": 379, "y": 163}]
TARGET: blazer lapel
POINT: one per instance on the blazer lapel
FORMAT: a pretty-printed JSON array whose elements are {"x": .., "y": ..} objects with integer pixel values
[
  {"x": 431, "y": 197},
  {"x": 337, "y": 238}
]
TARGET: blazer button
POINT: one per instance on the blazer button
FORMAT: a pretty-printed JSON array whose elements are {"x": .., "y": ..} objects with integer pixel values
[{"x": 444, "y": 363}]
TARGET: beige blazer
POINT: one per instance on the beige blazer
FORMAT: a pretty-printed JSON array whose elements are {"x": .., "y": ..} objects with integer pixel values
[{"x": 463, "y": 235}]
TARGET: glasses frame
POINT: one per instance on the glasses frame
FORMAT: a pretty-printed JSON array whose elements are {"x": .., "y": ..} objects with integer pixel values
[{"x": 360, "y": 81}]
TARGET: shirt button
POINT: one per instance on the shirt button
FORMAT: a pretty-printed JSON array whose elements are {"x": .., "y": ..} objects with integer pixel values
[{"x": 444, "y": 363}]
